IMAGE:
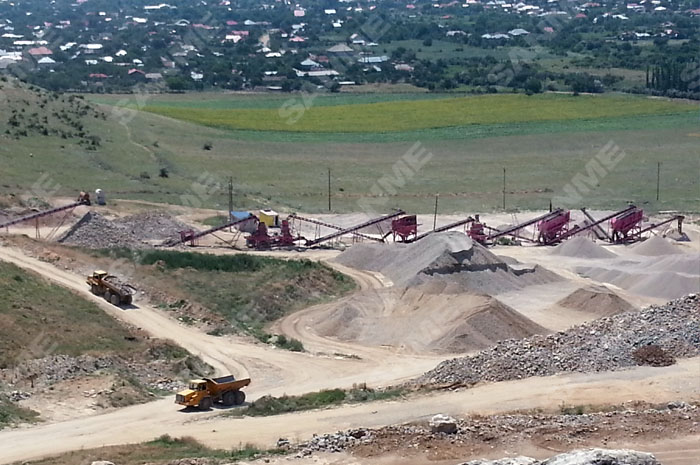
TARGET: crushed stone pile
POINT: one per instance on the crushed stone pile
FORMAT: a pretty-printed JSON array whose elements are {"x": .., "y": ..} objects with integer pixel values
[
  {"x": 138, "y": 231},
  {"x": 581, "y": 247},
  {"x": 450, "y": 256},
  {"x": 601, "y": 345},
  {"x": 596, "y": 300},
  {"x": 655, "y": 246}
]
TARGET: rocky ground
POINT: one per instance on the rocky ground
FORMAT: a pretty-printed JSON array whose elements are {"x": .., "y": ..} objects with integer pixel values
[
  {"x": 96, "y": 382},
  {"x": 448, "y": 438},
  {"x": 672, "y": 330},
  {"x": 462, "y": 441}
]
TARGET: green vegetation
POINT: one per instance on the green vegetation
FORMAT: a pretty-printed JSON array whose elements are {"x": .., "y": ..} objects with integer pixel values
[
  {"x": 218, "y": 101},
  {"x": 216, "y": 220},
  {"x": 269, "y": 405},
  {"x": 425, "y": 114},
  {"x": 160, "y": 450},
  {"x": 246, "y": 291},
  {"x": 40, "y": 319},
  {"x": 467, "y": 168},
  {"x": 12, "y": 414}
]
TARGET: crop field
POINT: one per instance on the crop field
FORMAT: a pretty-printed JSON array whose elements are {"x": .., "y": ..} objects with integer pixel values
[
  {"x": 287, "y": 170},
  {"x": 220, "y": 101},
  {"x": 424, "y": 114}
]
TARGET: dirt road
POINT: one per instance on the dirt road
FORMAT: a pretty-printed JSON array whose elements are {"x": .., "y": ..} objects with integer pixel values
[
  {"x": 142, "y": 422},
  {"x": 276, "y": 372},
  {"x": 273, "y": 371}
]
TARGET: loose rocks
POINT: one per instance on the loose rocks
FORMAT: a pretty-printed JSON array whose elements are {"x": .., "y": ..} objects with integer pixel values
[
  {"x": 580, "y": 457},
  {"x": 601, "y": 345}
]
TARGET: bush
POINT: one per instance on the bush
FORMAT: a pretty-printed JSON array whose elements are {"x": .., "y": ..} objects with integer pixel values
[
  {"x": 653, "y": 355},
  {"x": 207, "y": 146}
]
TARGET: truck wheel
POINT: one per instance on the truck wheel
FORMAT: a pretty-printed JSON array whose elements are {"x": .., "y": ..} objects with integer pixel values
[
  {"x": 205, "y": 404},
  {"x": 240, "y": 397},
  {"x": 127, "y": 300},
  {"x": 229, "y": 398},
  {"x": 108, "y": 296},
  {"x": 114, "y": 299},
  {"x": 95, "y": 290}
]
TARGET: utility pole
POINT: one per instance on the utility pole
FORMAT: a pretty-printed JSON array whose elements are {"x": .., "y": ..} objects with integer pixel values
[
  {"x": 437, "y": 196},
  {"x": 504, "y": 189},
  {"x": 329, "y": 189},
  {"x": 230, "y": 199},
  {"x": 658, "y": 179}
]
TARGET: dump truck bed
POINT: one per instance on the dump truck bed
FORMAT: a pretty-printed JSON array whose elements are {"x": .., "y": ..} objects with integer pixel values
[{"x": 226, "y": 383}]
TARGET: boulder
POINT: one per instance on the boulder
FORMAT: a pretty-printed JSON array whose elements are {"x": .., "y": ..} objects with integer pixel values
[
  {"x": 443, "y": 424},
  {"x": 521, "y": 460},
  {"x": 600, "y": 456},
  {"x": 579, "y": 457}
]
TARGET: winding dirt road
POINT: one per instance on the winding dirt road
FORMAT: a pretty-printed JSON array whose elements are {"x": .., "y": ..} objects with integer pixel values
[{"x": 276, "y": 372}]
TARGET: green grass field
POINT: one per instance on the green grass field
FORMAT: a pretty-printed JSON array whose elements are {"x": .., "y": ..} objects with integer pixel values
[
  {"x": 287, "y": 169},
  {"x": 425, "y": 114}
]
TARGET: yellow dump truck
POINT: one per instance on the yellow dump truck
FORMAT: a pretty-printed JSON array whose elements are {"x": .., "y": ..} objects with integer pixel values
[
  {"x": 109, "y": 287},
  {"x": 202, "y": 393}
]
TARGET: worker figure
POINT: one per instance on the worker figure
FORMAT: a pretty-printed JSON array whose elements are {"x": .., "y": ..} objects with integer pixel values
[{"x": 84, "y": 198}]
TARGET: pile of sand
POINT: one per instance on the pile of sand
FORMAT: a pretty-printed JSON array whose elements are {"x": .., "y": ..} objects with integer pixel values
[
  {"x": 581, "y": 247},
  {"x": 668, "y": 277},
  {"x": 597, "y": 301},
  {"x": 430, "y": 318},
  {"x": 655, "y": 246},
  {"x": 450, "y": 256}
]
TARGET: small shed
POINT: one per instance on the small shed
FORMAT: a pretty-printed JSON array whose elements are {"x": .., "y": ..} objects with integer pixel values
[{"x": 270, "y": 217}]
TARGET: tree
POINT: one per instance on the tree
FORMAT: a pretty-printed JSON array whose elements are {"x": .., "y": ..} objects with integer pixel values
[
  {"x": 177, "y": 83},
  {"x": 533, "y": 86}
]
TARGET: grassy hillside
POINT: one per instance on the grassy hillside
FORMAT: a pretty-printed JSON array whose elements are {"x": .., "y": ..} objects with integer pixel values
[
  {"x": 264, "y": 290},
  {"x": 427, "y": 114},
  {"x": 287, "y": 169},
  {"x": 39, "y": 319}
]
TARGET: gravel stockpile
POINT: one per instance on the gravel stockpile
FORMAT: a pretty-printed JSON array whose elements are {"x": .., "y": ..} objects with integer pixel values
[
  {"x": 601, "y": 345},
  {"x": 581, "y": 247},
  {"x": 596, "y": 300},
  {"x": 449, "y": 322},
  {"x": 449, "y": 256},
  {"x": 667, "y": 277},
  {"x": 655, "y": 246},
  {"x": 137, "y": 231}
]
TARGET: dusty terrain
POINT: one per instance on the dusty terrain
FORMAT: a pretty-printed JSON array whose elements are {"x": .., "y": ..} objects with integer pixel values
[{"x": 401, "y": 323}]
